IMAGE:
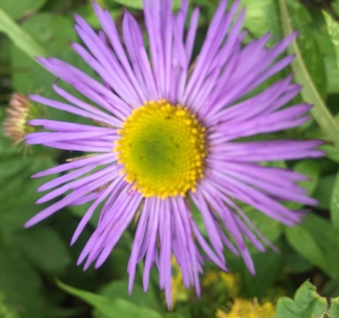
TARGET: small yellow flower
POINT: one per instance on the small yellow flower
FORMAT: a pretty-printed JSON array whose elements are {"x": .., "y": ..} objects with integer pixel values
[
  {"x": 229, "y": 281},
  {"x": 248, "y": 309}
]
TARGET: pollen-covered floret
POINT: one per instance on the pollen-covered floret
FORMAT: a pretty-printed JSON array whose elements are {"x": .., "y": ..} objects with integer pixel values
[{"x": 162, "y": 149}]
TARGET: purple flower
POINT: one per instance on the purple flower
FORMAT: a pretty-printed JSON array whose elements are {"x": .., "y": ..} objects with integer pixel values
[{"x": 165, "y": 137}]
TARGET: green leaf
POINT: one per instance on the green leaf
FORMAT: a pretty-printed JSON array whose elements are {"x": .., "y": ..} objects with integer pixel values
[
  {"x": 137, "y": 4},
  {"x": 301, "y": 21},
  {"x": 20, "y": 284},
  {"x": 326, "y": 44},
  {"x": 324, "y": 190},
  {"x": 293, "y": 263},
  {"x": 335, "y": 203},
  {"x": 119, "y": 288},
  {"x": 333, "y": 31},
  {"x": 111, "y": 307},
  {"x": 18, "y": 8},
  {"x": 331, "y": 152},
  {"x": 56, "y": 33},
  {"x": 307, "y": 304},
  {"x": 269, "y": 227},
  {"x": 44, "y": 248},
  {"x": 310, "y": 92},
  {"x": 317, "y": 241},
  {"x": 309, "y": 168},
  {"x": 23, "y": 40},
  {"x": 6, "y": 311},
  {"x": 267, "y": 268},
  {"x": 262, "y": 16},
  {"x": 18, "y": 190},
  {"x": 19, "y": 185},
  {"x": 53, "y": 32},
  {"x": 334, "y": 310}
]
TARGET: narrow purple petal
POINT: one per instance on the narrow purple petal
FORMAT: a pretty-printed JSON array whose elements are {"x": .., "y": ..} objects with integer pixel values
[
  {"x": 106, "y": 172},
  {"x": 77, "y": 163},
  {"x": 92, "y": 208}
]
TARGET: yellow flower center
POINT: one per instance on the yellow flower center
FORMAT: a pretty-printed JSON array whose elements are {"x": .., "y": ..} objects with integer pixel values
[{"x": 162, "y": 149}]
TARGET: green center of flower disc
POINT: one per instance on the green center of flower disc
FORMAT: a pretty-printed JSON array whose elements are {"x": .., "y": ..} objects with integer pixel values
[{"x": 162, "y": 149}]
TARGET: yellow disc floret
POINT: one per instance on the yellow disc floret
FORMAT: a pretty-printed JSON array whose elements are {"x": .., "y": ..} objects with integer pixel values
[{"x": 162, "y": 149}]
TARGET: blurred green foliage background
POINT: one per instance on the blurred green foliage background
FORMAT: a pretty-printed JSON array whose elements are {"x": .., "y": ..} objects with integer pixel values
[{"x": 38, "y": 275}]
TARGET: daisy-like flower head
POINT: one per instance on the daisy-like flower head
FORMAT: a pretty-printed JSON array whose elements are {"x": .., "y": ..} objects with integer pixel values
[{"x": 165, "y": 137}]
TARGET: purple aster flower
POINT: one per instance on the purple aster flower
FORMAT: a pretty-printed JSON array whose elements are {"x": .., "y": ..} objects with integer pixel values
[{"x": 165, "y": 136}]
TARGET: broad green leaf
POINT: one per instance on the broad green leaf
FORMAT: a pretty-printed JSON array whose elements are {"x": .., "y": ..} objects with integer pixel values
[
  {"x": 293, "y": 262},
  {"x": 119, "y": 288},
  {"x": 331, "y": 152},
  {"x": 333, "y": 30},
  {"x": 333, "y": 312},
  {"x": 6, "y": 311},
  {"x": 262, "y": 17},
  {"x": 18, "y": 190},
  {"x": 21, "y": 39},
  {"x": 307, "y": 304},
  {"x": 20, "y": 284},
  {"x": 18, "y": 8},
  {"x": 313, "y": 131},
  {"x": 53, "y": 32},
  {"x": 310, "y": 91},
  {"x": 309, "y": 168},
  {"x": 335, "y": 203},
  {"x": 111, "y": 307},
  {"x": 326, "y": 47},
  {"x": 317, "y": 241},
  {"x": 324, "y": 190},
  {"x": 56, "y": 33},
  {"x": 89, "y": 15},
  {"x": 137, "y": 4},
  {"x": 269, "y": 227},
  {"x": 334, "y": 7},
  {"x": 301, "y": 21},
  {"x": 16, "y": 182},
  {"x": 4, "y": 56},
  {"x": 44, "y": 248},
  {"x": 267, "y": 268}
]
